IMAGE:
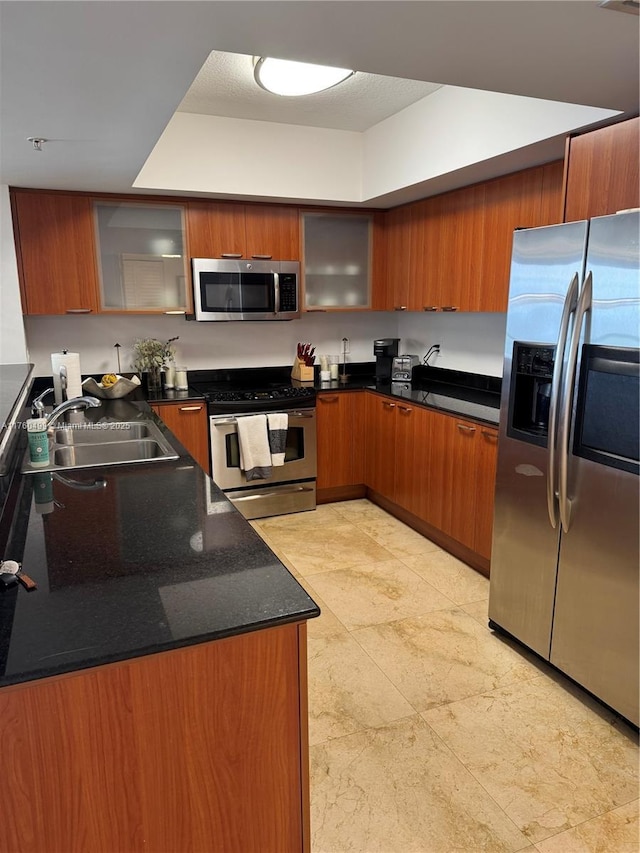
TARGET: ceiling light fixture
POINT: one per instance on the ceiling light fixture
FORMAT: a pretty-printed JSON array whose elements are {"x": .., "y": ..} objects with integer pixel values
[
  {"x": 36, "y": 141},
  {"x": 291, "y": 79}
]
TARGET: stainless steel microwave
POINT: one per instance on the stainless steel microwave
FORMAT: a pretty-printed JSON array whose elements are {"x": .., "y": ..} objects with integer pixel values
[{"x": 245, "y": 289}]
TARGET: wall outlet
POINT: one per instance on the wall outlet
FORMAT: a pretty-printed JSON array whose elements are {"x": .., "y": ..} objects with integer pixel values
[{"x": 346, "y": 346}]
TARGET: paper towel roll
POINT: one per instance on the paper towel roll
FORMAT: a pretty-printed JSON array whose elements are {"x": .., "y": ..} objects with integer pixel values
[{"x": 71, "y": 362}]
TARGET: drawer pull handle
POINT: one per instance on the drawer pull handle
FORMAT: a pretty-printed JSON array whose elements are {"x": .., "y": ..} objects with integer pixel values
[
  {"x": 466, "y": 428},
  {"x": 489, "y": 434},
  {"x": 449, "y": 307},
  {"x": 332, "y": 399},
  {"x": 232, "y": 255},
  {"x": 389, "y": 405},
  {"x": 405, "y": 409},
  {"x": 78, "y": 310},
  {"x": 399, "y": 307},
  {"x": 190, "y": 408},
  {"x": 430, "y": 308},
  {"x": 262, "y": 257}
]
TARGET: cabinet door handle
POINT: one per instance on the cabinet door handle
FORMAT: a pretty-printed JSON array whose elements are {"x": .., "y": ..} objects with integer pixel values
[
  {"x": 389, "y": 405},
  {"x": 465, "y": 428},
  {"x": 331, "y": 399},
  {"x": 449, "y": 307},
  {"x": 176, "y": 311},
  {"x": 190, "y": 408},
  {"x": 262, "y": 257},
  {"x": 232, "y": 255},
  {"x": 399, "y": 307},
  {"x": 78, "y": 310},
  {"x": 488, "y": 434},
  {"x": 430, "y": 308},
  {"x": 405, "y": 409},
  {"x": 315, "y": 310}
]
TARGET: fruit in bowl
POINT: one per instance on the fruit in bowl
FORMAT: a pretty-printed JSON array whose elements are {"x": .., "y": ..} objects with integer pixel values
[{"x": 112, "y": 386}]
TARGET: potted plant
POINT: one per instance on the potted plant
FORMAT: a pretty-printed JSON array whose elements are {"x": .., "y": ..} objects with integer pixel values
[{"x": 151, "y": 356}]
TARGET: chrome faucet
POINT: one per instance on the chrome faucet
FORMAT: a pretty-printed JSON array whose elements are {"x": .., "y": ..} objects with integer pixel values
[
  {"x": 37, "y": 407},
  {"x": 74, "y": 403}
]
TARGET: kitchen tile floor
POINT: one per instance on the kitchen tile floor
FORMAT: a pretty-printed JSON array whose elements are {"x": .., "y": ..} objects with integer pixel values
[{"x": 429, "y": 733}]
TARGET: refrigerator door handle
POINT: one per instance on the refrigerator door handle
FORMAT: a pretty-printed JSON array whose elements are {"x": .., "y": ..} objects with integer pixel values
[
  {"x": 570, "y": 303},
  {"x": 584, "y": 305}
]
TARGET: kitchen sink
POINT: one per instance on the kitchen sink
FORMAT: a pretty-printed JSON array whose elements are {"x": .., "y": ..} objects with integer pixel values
[
  {"x": 101, "y": 433},
  {"x": 97, "y": 445}
]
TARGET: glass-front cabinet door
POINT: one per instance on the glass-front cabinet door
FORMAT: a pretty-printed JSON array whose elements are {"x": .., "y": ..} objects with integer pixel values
[
  {"x": 337, "y": 260},
  {"x": 141, "y": 257}
]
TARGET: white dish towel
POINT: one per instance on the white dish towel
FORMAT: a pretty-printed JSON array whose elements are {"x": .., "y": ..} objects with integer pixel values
[
  {"x": 278, "y": 426},
  {"x": 253, "y": 440}
]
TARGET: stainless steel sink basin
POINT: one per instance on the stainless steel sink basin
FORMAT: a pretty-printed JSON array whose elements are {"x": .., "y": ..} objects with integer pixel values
[
  {"x": 101, "y": 433},
  {"x": 98, "y": 445}
]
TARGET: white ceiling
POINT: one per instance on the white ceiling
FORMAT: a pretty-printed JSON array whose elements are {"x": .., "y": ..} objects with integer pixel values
[
  {"x": 101, "y": 80},
  {"x": 225, "y": 86}
]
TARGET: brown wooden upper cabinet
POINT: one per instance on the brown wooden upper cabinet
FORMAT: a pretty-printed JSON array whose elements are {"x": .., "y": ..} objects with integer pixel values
[
  {"x": 602, "y": 171},
  {"x": 261, "y": 232},
  {"x": 55, "y": 245},
  {"x": 452, "y": 252}
]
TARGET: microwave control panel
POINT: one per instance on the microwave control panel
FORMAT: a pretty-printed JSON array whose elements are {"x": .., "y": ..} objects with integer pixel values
[{"x": 288, "y": 292}]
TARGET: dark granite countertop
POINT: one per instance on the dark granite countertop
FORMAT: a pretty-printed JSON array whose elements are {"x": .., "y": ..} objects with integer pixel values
[
  {"x": 14, "y": 385},
  {"x": 132, "y": 560},
  {"x": 454, "y": 392}
]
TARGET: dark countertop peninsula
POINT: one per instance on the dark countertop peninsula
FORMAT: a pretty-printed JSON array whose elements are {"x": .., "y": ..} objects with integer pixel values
[
  {"x": 131, "y": 560},
  {"x": 15, "y": 382}
]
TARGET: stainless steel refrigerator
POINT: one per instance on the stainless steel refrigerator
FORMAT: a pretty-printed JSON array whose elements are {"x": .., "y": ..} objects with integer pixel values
[{"x": 565, "y": 559}]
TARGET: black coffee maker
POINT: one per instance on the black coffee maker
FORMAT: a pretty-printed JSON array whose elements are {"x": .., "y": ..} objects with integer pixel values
[{"x": 385, "y": 350}]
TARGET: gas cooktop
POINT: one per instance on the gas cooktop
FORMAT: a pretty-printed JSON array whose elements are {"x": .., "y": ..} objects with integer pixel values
[{"x": 251, "y": 390}]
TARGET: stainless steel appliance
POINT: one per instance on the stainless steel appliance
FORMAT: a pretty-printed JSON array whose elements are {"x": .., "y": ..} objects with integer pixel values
[
  {"x": 402, "y": 366},
  {"x": 245, "y": 289},
  {"x": 235, "y": 394},
  {"x": 385, "y": 350},
  {"x": 565, "y": 562}
]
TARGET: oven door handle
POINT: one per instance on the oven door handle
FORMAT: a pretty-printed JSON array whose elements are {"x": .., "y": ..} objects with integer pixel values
[
  {"x": 218, "y": 421},
  {"x": 254, "y": 496}
]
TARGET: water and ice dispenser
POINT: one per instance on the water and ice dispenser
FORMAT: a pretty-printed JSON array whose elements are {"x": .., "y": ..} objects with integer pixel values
[{"x": 531, "y": 376}]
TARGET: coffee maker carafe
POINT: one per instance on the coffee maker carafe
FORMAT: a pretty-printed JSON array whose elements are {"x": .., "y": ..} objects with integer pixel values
[{"x": 385, "y": 349}]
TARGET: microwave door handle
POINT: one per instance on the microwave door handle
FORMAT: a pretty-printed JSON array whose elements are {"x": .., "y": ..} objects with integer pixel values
[
  {"x": 570, "y": 302},
  {"x": 584, "y": 305},
  {"x": 276, "y": 292}
]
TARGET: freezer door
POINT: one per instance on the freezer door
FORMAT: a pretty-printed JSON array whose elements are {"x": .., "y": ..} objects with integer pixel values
[
  {"x": 596, "y": 626},
  {"x": 525, "y": 544}
]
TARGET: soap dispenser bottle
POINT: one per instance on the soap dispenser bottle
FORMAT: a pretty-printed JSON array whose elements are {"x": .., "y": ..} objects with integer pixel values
[{"x": 38, "y": 442}]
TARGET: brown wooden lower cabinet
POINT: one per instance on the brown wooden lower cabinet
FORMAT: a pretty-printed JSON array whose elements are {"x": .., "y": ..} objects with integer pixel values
[
  {"x": 435, "y": 471},
  {"x": 202, "y": 748},
  {"x": 189, "y": 422}
]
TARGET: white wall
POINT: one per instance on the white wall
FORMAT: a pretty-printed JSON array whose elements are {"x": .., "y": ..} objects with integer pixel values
[
  {"x": 471, "y": 342},
  {"x": 228, "y": 156},
  {"x": 13, "y": 348}
]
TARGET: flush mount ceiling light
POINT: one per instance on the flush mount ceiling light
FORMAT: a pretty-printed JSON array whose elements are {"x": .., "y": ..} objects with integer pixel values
[
  {"x": 37, "y": 142},
  {"x": 291, "y": 79}
]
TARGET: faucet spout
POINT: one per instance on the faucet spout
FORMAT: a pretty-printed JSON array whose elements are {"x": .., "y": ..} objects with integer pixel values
[{"x": 74, "y": 403}]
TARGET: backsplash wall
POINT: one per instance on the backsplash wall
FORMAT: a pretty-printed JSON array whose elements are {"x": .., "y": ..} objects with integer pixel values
[{"x": 471, "y": 342}]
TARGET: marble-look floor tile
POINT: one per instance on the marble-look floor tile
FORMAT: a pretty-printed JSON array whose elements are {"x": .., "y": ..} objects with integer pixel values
[
  {"x": 543, "y": 752},
  {"x": 451, "y": 576},
  {"x": 369, "y": 594},
  {"x": 360, "y": 510},
  {"x": 321, "y": 515},
  {"x": 399, "y": 789},
  {"x": 397, "y": 537},
  {"x": 442, "y": 656},
  {"x": 479, "y": 610},
  {"x": 347, "y": 691},
  {"x": 274, "y": 547},
  {"x": 328, "y": 547},
  {"x": 617, "y": 831},
  {"x": 327, "y": 625}
]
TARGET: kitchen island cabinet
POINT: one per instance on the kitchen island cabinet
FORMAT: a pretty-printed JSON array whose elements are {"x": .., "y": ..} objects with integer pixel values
[
  {"x": 200, "y": 748},
  {"x": 189, "y": 422},
  {"x": 602, "y": 171},
  {"x": 219, "y": 230}
]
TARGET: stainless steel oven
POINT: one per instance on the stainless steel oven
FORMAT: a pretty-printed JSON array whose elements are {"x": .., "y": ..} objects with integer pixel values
[{"x": 291, "y": 486}]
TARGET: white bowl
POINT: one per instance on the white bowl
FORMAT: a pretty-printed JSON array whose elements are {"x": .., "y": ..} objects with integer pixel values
[{"x": 119, "y": 389}]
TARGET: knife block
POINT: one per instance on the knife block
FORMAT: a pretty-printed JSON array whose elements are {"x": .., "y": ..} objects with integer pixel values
[{"x": 301, "y": 371}]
